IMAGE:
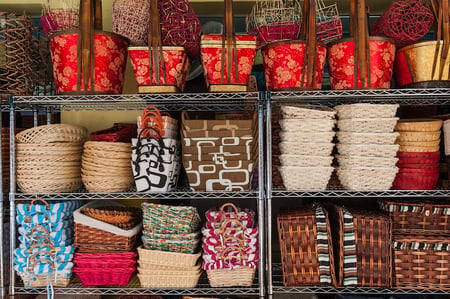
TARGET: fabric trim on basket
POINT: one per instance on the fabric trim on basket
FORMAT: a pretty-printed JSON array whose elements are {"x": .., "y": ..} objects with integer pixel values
[
  {"x": 421, "y": 246},
  {"x": 350, "y": 269},
  {"x": 322, "y": 247},
  {"x": 389, "y": 207}
]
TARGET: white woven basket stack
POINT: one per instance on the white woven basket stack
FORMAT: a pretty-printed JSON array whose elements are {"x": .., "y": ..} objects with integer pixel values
[
  {"x": 306, "y": 146},
  {"x": 48, "y": 158},
  {"x": 366, "y": 146}
]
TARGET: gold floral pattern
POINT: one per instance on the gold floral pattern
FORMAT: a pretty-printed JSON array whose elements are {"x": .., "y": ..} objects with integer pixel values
[
  {"x": 110, "y": 63},
  {"x": 341, "y": 64},
  {"x": 176, "y": 64},
  {"x": 283, "y": 66}
]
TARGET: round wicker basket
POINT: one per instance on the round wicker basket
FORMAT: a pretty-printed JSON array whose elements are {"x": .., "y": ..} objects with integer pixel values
[
  {"x": 52, "y": 133},
  {"x": 363, "y": 110},
  {"x": 418, "y": 136},
  {"x": 419, "y": 125},
  {"x": 367, "y": 125}
]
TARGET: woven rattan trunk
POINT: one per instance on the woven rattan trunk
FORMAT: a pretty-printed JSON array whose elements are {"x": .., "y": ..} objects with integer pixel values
[
  {"x": 306, "y": 247},
  {"x": 362, "y": 246}
]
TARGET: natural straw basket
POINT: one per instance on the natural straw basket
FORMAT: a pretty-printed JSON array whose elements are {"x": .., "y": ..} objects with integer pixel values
[
  {"x": 301, "y": 148},
  {"x": 433, "y": 143},
  {"x": 418, "y": 149},
  {"x": 52, "y": 133},
  {"x": 167, "y": 258},
  {"x": 307, "y": 125},
  {"x": 242, "y": 276},
  {"x": 418, "y": 136},
  {"x": 371, "y": 150},
  {"x": 299, "y": 136},
  {"x": 367, "y": 178},
  {"x": 305, "y": 178},
  {"x": 305, "y": 160},
  {"x": 366, "y": 138},
  {"x": 367, "y": 125},
  {"x": 419, "y": 125},
  {"x": 113, "y": 214},
  {"x": 54, "y": 185},
  {"x": 365, "y": 161},
  {"x": 188, "y": 280},
  {"x": 362, "y": 110},
  {"x": 307, "y": 111}
]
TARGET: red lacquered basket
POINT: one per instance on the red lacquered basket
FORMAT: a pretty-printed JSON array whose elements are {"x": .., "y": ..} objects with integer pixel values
[
  {"x": 419, "y": 158},
  {"x": 104, "y": 276},
  {"x": 415, "y": 181},
  {"x": 119, "y": 132}
]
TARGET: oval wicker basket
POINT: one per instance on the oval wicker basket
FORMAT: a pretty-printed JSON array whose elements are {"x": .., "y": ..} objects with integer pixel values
[
  {"x": 366, "y": 138},
  {"x": 364, "y": 161},
  {"x": 367, "y": 178},
  {"x": 307, "y": 111},
  {"x": 305, "y": 160},
  {"x": 419, "y": 125},
  {"x": 52, "y": 133},
  {"x": 367, "y": 125},
  {"x": 305, "y": 178},
  {"x": 363, "y": 110},
  {"x": 371, "y": 150},
  {"x": 307, "y": 125},
  {"x": 300, "y": 148},
  {"x": 113, "y": 214},
  {"x": 298, "y": 136},
  {"x": 418, "y": 136},
  {"x": 420, "y": 143},
  {"x": 419, "y": 149}
]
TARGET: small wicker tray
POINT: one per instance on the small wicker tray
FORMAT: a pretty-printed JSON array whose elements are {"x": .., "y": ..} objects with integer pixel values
[
  {"x": 166, "y": 258},
  {"x": 363, "y": 110},
  {"x": 169, "y": 281},
  {"x": 433, "y": 143},
  {"x": 113, "y": 214},
  {"x": 418, "y": 149},
  {"x": 367, "y": 125}
]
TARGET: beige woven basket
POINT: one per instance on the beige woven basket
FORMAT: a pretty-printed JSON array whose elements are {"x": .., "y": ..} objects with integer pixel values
[
  {"x": 370, "y": 150},
  {"x": 42, "y": 280},
  {"x": 420, "y": 143},
  {"x": 446, "y": 129},
  {"x": 23, "y": 158},
  {"x": 367, "y": 125},
  {"x": 305, "y": 178},
  {"x": 300, "y": 148},
  {"x": 175, "y": 272},
  {"x": 418, "y": 136},
  {"x": 22, "y": 162},
  {"x": 49, "y": 185},
  {"x": 163, "y": 267},
  {"x": 307, "y": 125},
  {"x": 107, "y": 161},
  {"x": 169, "y": 281},
  {"x": 307, "y": 111},
  {"x": 419, "y": 125},
  {"x": 106, "y": 154},
  {"x": 96, "y": 184},
  {"x": 305, "y": 160},
  {"x": 418, "y": 149},
  {"x": 166, "y": 258},
  {"x": 363, "y": 110},
  {"x": 114, "y": 170},
  {"x": 107, "y": 146},
  {"x": 367, "y": 138},
  {"x": 238, "y": 277},
  {"x": 298, "y": 136},
  {"x": 361, "y": 161},
  {"x": 52, "y": 133},
  {"x": 367, "y": 178}
]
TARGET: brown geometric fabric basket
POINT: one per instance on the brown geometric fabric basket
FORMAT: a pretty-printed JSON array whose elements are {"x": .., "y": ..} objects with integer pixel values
[
  {"x": 418, "y": 216},
  {"x": 362, "y": 244},
  {"x": 306, "y": 247},
  {"x": 421, "y": 262}
]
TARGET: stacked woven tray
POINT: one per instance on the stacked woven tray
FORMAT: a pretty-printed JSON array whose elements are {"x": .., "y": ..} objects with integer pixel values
[
  {"x": 418, "y": 154},
  {"x": 48, "y": 158},
  {"x": 106, "y": 166},
  {"x": 306, "y": 146},
  {"x": 168, "y": 257},
  {"x": 366, "y": 146}
]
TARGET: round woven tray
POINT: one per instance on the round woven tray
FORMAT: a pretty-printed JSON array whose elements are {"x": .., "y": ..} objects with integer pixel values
[
  {"x": 418, "y": 136},
  {"x": 50, "y": 147},
  {"x": 47, "y": 171},
  {"x": 298, "y": 136},
  {"x": 305, "y": 160},
  {"x": 20, "y": 163},
  {"x": 313, "y": 149},
  {"x": 367, "y": 125},
  {"x": 362, "y": 110},
  {"x": 364, "y": 161},
  {"x": 307, "y": 125},
  {"x": 113, "y": 214},
  {"x": 104, "y": 168},
  {"x": 419, "y": 125},
  {"x": 307, "y": 111},
  {"x": 22, "y": 158},
  {"x": 52, "y": 133},
  {"x": 106, "y": 154},
  {"x": 49, "y": 186},
  {"x": 305, "y": 178},
  {"x": 366, "y": 138},
  {"x": 367, "y": 178},
  {"x": 107, "y": 146},
  {"x": 107, "y": 184},
  {"x": 418, "y": 149},
  {"x": 107, "y": 162},
  {"x": 370, "y": 150},
  {"x": 420, "y": 143}
]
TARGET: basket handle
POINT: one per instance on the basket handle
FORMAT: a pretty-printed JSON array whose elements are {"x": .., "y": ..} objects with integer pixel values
[
  {"x": 155, "y": 47},
  {"x": 52, "y": 250},
  {"x": 40, "y": 228},
  {"x": 34, "y": 200},
  {"x": 34, "y": 245},
  {"x": 98, "y": 18},
  {"x": 360, "y": 33},
  {"x": 441, "y": 11},
  {"x": 237, "y": 221},
  {"x": 229, "y": 43},
  {"x": 85, "y": 46},
  {"x": 242, "y": 255},
  {"x": 308, "y": 33},
  {"x": 52, "y": 264}
]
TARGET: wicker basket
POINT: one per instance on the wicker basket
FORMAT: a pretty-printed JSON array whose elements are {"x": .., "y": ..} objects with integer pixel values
[
  {"x": 418, "y": 149},
  {"x": 430, "y": 144},
  {"x": 114, "y": 214},
  {"x": 52, "y": 133},
  {"x": 367, "y": 138},
  {"x": 307, "y": 111},
  {"x": 362, "y": 243},
  {"x": 418, "y": 136},
  {"x": 370, "y": 150},
  {"x": 54, "y": 185},
  {"x": 418, "y": 217},
  {"x": 419, "y": 125},
  {"x": 99, "y": 184},
  {"x": 421, "y": 263},
  {"x": 182, "y": 246},
  {"x": 303, "y": 261},
  {"x": 170, "y": 219},
  {"x": 238, "y": 277},
  {"x": 86, "y": 235},
  {"x": 169, "y": 281},
  {"x": 42, "y": 280},
  {"x": 166, "y": 258},
  {"x": 305, "y": 178},
  {"x": 367, "y": 125},
  {"x": 362, "y": 161},
  {"x": 299, "y": 136},
  {"x": 367, "y": 178},
  {"x": 362, "y": 110},
  {"x": 104, "y": 276},
  {"x": 300, "y": 148},
  {"x": 307, "y": 125},
  {"x": 305, "y": 160}
]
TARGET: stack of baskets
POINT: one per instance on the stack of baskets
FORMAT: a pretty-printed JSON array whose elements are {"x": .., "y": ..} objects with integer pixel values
[
  {"x": 106, "y": 237},
  {"x": 48, "y": 158},
  {"x": 366, "y": 146},
  {"x": 169, "y": 256},
  {"x": 306, "y": 146},
  {"x": 301, "y": 231},
  {"x": 418, "y": 154},
  {"x": 420, "y": 233},
  {"x": 106, "y": 166},
  {"x": 230, "y": 246},
  {"x": 277, "y": 180},
  {"x": 45, "y": 252}
]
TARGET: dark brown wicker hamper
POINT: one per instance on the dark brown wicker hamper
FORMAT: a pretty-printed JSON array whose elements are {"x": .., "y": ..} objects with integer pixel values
[
  {"x": 306, "y": 247},
  {"x": 362, "y": 247}
]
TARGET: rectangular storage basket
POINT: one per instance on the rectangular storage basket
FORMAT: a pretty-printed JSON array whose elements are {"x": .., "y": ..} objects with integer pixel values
[
  {"x": 421, "y": 262},
  {"x": 306, "y": 231},
  {"x": 90, "y": 239},
  {"x": 418, "y": 216},
  {"x": 362, "y": 245}
]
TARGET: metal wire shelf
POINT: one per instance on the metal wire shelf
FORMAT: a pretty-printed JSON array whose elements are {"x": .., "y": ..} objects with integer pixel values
[{"x": 279, "y": 193}]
